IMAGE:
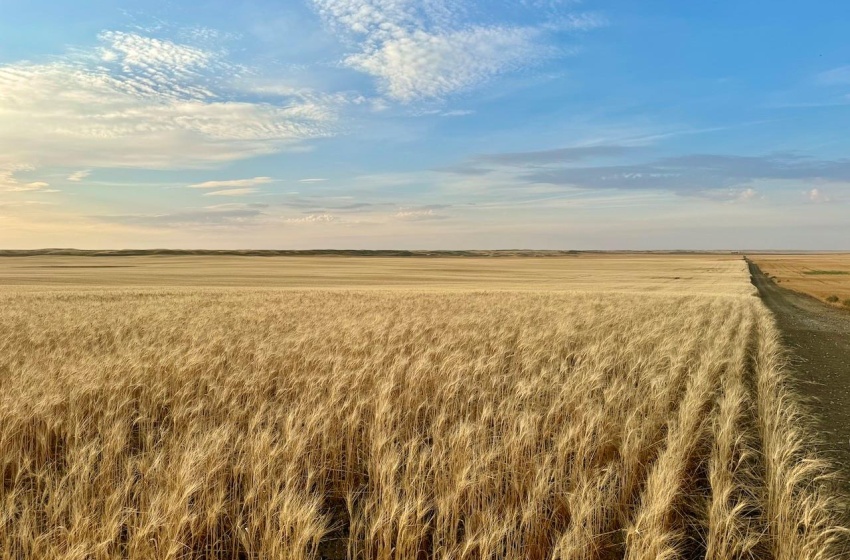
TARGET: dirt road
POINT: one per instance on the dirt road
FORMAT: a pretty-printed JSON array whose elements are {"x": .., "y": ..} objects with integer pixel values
[{"x": 819, "y": 339}]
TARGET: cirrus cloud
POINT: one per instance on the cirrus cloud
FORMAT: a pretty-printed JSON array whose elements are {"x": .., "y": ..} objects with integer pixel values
[
  {"x": 428, "y": 50},
  {"x": 312, "y": 219},
  {"x": 231, "y": 192},
  {"x": 419, "y": 64},
  {"x": 232, "y": 183},
  {"x": 418, "y": 215},
  {"x": 210, "y": 217},
  {"x": 717, "y": 177},
  {"x": 10, "y": 183},
  {"x": 78, "y": 176},
  {"x": 143, "y": 102}
]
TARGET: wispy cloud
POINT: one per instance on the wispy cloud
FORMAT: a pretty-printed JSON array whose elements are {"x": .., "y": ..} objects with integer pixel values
[
  {"x": 9, "y": 183},
  {"x": 698, "y": 174},
  {"x": 147, "y": 66},
  {"x": 747, "y": 194},
  {"x": 719, "y": 178},
  {"x": 332, "y": 205},
  {"x": 313, "y": 180},
  {"x": 428, "y": 50},
  {"x": 312, "y": 219},
  {"x": 232, "y": 183},
  {"x": 145, "y": 102},
  {"x": 419, "y": 215},
  {"x": 432, "y": 65},
  {"x": 484, "y": 164},
  {"x": 712, "y": 176},
  {"x": 204, "y": 218},
  {"x": 236, "y": 206},
  {"x": 818, "y": 196},
  {"x": 457, "y": 113},
  {"x": 556, "y": 156},
  {"x": 231, "y": 192},
  {"x": 78, "y": 176}
]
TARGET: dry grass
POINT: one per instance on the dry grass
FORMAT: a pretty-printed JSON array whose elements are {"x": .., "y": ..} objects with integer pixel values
[
  {"x": 824, "y": 276},
  {"x": 707, "y": 274},
  {"x": 175, "y": 423}
]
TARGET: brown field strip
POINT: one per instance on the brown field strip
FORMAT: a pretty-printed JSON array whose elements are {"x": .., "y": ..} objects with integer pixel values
[{"x": 824, "y": 276}]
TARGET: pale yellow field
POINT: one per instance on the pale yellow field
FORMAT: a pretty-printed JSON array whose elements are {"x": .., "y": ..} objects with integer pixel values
[
  {"x": 824, "y": 276},
  {"x": 707, "y": 274},
  {"x": 448, "y": 409}
]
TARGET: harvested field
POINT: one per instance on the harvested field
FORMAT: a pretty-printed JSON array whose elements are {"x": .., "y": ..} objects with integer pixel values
[
  {"x": 604, "y": 422},
  {"x": 824, "y": 276},
  {"x": 586, "y": 272}
]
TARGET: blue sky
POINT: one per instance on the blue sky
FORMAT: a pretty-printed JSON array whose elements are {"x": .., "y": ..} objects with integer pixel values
[{"x": 425, "y": 124}]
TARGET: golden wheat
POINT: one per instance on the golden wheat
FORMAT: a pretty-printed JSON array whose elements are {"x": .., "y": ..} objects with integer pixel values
[{"x": 175, "y": 424}]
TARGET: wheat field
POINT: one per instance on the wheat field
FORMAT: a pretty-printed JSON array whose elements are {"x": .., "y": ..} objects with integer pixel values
[{"x": 593, "y": 421}]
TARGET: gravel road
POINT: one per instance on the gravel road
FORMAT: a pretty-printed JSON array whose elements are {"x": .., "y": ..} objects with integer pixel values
[{"x": 818, "y": 337}]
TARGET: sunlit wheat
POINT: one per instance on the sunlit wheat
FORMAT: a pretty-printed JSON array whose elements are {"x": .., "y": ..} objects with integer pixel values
[{"x": 177, "y": 424}]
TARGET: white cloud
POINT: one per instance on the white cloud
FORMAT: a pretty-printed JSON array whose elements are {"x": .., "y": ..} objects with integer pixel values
[
  {"x": 457, "y": 113},
  {"x": 427, "y": 65},
  {"x": 747, "y": 194},
  {"x": 817, "y": 195},
  {"x": 78, "y": 176},
  {"x": 418, "y": 215},
  {"x": 442, "y": 113},
  {"x": 421, "y": 50},
  {"x": 231, "y": 192},
  {"x": 312, "y": 219},
  {"x": 142, "y": 102},
  {"x": 157, "y": 67},
  {"x": 228, "y": 206},
  {"x": 313, "y": 180},
  {"x": 9, "y": 183},
  {"x": 193, "y": 218},
  {"x": 232, "y": 183},
  {"x": 576, "y": 22},
  {"x": 367, "y": 17}
]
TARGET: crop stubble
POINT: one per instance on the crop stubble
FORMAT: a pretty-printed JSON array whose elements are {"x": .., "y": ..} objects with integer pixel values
[{"x": 824, "y": 276}]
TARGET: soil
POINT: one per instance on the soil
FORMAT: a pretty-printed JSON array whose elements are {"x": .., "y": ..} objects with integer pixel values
[{"x": 818, "y": 338}]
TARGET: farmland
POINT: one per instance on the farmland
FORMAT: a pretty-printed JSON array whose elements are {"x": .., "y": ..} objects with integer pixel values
[
  {"x": 824, "y": 276},
  {"x": 622, "y": 273},
  {"x": 601, "y": 406}
]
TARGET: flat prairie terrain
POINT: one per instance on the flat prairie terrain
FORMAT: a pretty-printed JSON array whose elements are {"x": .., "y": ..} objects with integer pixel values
[
  {"x": 824, "y": 276},
  {"x": 584, "y": 272},
  {"x": 233, "y": 408}
]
